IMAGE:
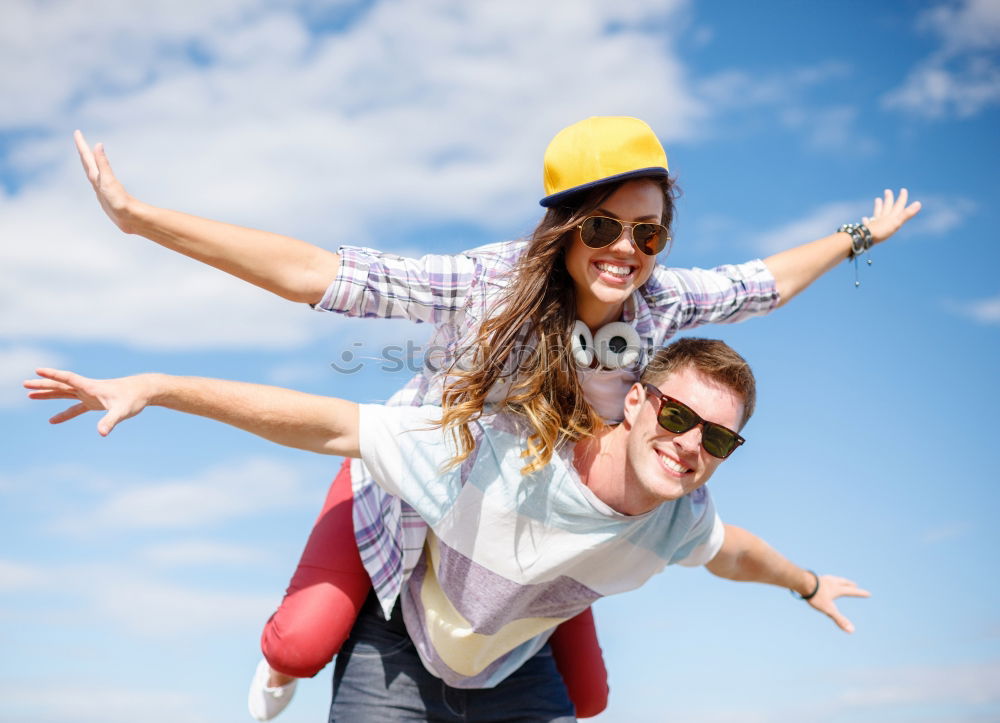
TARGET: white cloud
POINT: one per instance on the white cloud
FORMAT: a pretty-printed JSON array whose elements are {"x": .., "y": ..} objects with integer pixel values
[
  {"x": 872, "y": 694},
  {"x": 941, "y": 214},
  {"x": 739, "y": 88},
  {"x": 934, "y": 91},
  {"x": 18, "y": 363},
  {"x": 101, "y": 701},
  {"x": 938, "y": 215},
  {"x": 985, "y": 311},
  {"x": 186, "y": 553},
  {"x": 964, "y": 26},
  {"x": 16, "y": 575},
  {"x": 947, "y": 532},
  {"x": 232, "y": 491},
  {"x": 962, "y": 684},
  {"x": 961, "y": 78},
  {"x": 130, "y": 597},
  {"x": 828, "y": 128},
  {"x": 290, "y": 374},
  {"x": 54, "y": 479},
  {"x": 72, "y": 276},
  {"x": 162, "y": 609},
  {"x": 66, "y": 50},
  {"x": 398, "y": 120},
  {"x": 820, "y": 222},
  {"x": 821, "y": 127}
]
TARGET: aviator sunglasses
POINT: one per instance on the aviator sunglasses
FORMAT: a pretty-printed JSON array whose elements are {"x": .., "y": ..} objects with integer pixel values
[
  {"x": 678, "y": 418},
  {"x": 596, "y": 232}
]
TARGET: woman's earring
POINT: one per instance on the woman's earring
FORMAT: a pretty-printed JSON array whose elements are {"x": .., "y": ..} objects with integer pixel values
[
  {"x": 582, "y": 344},
  {"x": 616, "y": 345}
]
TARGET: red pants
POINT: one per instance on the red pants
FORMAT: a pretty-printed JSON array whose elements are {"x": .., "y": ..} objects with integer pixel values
[{"x": 330, "y": 586}]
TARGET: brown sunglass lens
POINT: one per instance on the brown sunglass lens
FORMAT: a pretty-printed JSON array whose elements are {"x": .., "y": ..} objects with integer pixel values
[
  {"x": 649, "y": 237},
  {"x": 599, "y": 232},
  {"x": 675, "y": 418},
  {"x": 718, "y": 441}
]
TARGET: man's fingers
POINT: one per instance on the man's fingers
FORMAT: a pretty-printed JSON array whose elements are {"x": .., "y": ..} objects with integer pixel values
[
  {"x": 47, "y": 385},
  {"x": 829, "y": 608},
  {"x": 854, "y": 591},
  {"x": 842, "y": 622},
  {"x": 831, "y": 588},
  {"x": 840, "y": 586},
  {"x": 51, "y": 394},
  {"x": 109, "y": 421},
  {"x": 60, "y": 375},
  {"x": 75, "y": 411}
]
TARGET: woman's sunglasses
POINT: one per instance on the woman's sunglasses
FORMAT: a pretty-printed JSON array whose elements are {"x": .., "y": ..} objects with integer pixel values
[
  {"x": 596, "y": 232},
  {"x": 678, "y": 418}
]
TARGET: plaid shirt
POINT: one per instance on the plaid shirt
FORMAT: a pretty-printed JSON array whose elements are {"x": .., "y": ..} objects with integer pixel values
[{"x": 456, "y": 293}]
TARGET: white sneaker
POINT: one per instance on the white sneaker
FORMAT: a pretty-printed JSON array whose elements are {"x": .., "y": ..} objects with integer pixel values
[{"x": 263, "y": 702}]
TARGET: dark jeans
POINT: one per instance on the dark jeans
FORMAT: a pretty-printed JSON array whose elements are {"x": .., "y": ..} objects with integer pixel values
[{"x": 378, "y": 678}]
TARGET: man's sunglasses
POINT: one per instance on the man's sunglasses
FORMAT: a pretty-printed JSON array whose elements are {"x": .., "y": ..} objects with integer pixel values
[
  {"x": 678, "y": 418},
  {"x": 596, "y": 232}
]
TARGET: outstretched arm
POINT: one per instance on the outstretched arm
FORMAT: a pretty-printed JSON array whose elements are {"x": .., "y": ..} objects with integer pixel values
[
  {"x": 798, "y": 267},
  {"x": 286, "y": 266},
  {"x": 318, "y": 424},
  {"x": 746, "y": 557}
]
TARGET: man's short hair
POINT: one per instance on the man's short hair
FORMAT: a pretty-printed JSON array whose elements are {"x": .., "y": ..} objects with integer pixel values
[{"x": 713, "y": 359}]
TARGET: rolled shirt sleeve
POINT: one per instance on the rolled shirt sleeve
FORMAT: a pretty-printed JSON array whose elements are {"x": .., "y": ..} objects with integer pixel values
[
  {"x": 372, "y": 284},
  {"x": 725, "y": 294}
]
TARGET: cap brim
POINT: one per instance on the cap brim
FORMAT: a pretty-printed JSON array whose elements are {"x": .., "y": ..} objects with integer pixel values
[{"x": 557, "y": 199}]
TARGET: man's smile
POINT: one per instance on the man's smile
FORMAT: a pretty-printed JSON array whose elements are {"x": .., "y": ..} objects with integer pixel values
[{"x": 672, "y": 464}]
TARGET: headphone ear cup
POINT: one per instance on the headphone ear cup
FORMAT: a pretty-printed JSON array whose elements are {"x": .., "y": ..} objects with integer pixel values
[
  {"x": 582, "y": 345},
  {"x": 617, "y": 345}
]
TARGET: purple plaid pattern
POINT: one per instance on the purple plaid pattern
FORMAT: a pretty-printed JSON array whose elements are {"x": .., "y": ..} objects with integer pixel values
[{"x": 455, "y": 293}]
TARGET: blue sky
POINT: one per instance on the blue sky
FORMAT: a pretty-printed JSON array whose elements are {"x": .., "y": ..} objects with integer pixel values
[{"x": 136, "y": 571}]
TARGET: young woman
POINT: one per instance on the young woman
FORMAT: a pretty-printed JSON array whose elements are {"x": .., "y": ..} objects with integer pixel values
[{"x": 553, "y": 328}]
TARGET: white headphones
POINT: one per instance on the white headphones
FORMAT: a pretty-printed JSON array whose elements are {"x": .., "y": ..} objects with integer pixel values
[{"x": 615, "y": 345}]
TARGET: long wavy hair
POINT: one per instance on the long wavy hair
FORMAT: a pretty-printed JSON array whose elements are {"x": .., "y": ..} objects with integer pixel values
[{"x": 525, "y": 347}]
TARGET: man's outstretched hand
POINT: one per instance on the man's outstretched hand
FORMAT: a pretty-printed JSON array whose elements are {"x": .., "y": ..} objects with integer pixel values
[
  {"x": 830, "y": 588},
  {"x": 121, "y": 398}
]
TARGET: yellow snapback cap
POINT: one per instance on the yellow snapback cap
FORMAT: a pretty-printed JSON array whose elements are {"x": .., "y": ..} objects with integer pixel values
[{"x": 599, "y": 150}]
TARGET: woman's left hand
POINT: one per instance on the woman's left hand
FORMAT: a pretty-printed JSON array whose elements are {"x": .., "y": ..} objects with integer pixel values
[{"x": 890, "y": 214}]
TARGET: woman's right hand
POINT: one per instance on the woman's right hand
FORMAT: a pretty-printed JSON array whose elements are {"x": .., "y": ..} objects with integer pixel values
[{"x": 111, "y": 194}]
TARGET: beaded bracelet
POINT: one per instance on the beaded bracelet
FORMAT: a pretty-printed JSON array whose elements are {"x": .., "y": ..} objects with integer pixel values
[{"x": 861, "y": 241}]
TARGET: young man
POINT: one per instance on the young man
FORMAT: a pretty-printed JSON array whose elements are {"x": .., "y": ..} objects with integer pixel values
[{"x": 508, "y": 557}]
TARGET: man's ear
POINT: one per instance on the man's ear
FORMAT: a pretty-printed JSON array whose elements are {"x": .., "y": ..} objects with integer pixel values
[{"x": 633, "y": 403}]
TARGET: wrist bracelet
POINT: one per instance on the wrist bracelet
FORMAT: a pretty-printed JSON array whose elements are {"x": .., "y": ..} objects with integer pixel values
[
  {"x": 861, "y": 238},
  {"x": 811, "y": 595},
  {"x": 861, "y": 241}
]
